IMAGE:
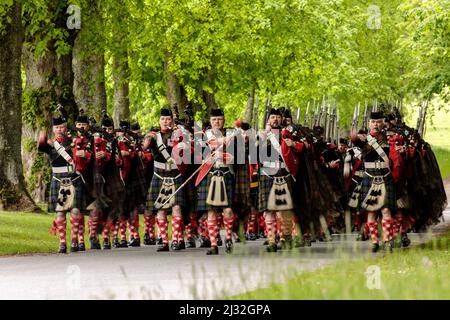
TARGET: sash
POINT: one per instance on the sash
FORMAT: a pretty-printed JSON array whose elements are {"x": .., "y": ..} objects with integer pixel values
[
  {"x": 63, "y": 153},
  {"x": 163, "y": 149},
  {"x": 374, "y": 144},
  {"x": 274, "y": 141}
]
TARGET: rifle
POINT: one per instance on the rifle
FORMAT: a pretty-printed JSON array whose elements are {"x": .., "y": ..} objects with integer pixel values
[
  {"x": 365, "y": 115},
  {"x": 419, "y": 118},
  {"x": 336, "y": 132},
  {"x": 305, "y": 119},
  {"x": 325, "y": 123},
  {"x": 266, "y": 113},
  {"x": 319, "y": 118},
  {"x": 298, "y": 115},
  {"x": 255, "y": 116},
  {"x": 313, "y": 115},
  {"x": 332, "y": 123}
]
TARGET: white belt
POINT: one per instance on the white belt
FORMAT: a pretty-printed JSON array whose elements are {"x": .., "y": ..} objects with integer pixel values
[
  {"x": 165, "y": 166},
  {"x": 168, "y": 178},
  {"x": 376, "y": 165},
  {"x": 60, "y": 170},
  {"x": 274, "y": 165}
]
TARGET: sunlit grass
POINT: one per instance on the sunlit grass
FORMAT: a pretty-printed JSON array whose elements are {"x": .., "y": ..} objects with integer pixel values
[
  {"x": 22, "y": 233},
  {"x": 417, "y": 273}
]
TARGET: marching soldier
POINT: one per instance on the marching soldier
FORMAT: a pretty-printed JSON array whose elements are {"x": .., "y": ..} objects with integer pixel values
[
  {"x": 106, "y": 152},
  {"x": 67, "y": 192},
  {"x": 378, "y": 191},
  {"x": 167, "y": 179},
  {"x": 216, "y": 179},
  {"x": 276, "y": 178}
]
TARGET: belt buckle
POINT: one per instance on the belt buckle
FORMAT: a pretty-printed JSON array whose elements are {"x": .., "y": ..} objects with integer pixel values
[{"x": 377, "y": 165}]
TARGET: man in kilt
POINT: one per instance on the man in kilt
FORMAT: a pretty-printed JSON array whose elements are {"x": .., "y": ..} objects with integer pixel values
[
  {"x": 167, "y": 178},
  {"x": 124, "y": 161},
  {"x": 136, "y": 188},
  {"x": 67, "y": 192},
  {"x": 114, "y": 188},
  {"x": 278, "y": 166},
  {"x": 82, "y": 126},
  {"x": 377, "y": 185},
  {"x": 215, "y": 190}
]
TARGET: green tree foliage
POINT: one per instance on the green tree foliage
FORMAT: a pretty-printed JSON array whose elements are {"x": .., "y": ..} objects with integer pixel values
[{"x": 298, "y": 50}]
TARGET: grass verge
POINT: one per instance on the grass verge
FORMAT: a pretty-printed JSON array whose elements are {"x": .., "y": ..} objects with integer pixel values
[
  {"x": 417, "y": 273},
  {"x": 22, "y": 233}
]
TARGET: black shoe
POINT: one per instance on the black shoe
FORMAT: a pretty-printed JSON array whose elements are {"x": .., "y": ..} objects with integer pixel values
[
  {"x": 334, "y": 230},
  {"x": 219, "y": 241},
  {"x": 160, "y": 241},
  {"x": 74, "y": 247},
  {"x": 405, "y": 241},
  {"x": 123, "y": 244},
  {"x": 272, "y": 247},
  {"x": 81, "y": 247},
  {"x": 266, "y": 243},
  {"x": 213, "y": 251},
  {"x": 146, "y": 239},
  {"x": 116, "y": 243},
  {"x": 355, "y": 229},
  {"x": 375, "y": 247},
  {"x": 252, "y": 236},
  {"x": 228, "y": 246},
  {"x": 135, "y": 242},
  {"x": 149, "y": 241},
  {"x": 308, "y": 242},
  {"x": 205, "y": 243},
  {"x": 62, "y": 248},
  {"x": 95, "y": 244},
  {"x": 163, "y": 247},
  {"x": 190, "y": 243},
  {"x": 106, "y": 244},
  {"x": 286, "y": 244},
  {"x": 175, "y": 246},
  {"x": 388, "y": 246},
  {"x": 182, "y": 245},
  {"x": 298, "y": 242}
]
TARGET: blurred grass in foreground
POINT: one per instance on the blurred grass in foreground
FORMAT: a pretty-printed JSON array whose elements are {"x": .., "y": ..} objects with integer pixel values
[{"x": 418, "y": 273}]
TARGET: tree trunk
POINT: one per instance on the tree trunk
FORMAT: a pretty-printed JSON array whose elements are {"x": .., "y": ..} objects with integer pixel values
[
  {"x": 49, "y": 81},
  {"x": 121, "y": 87},
  {"x": 89, "y": 80},
  {"x": 175, "y": 93},
  {"x": 249, "y": 108},
  {"x": 208, "y": 96},
  {"x": 89, "y": 63},
  {"x": 13, "y": 194}
]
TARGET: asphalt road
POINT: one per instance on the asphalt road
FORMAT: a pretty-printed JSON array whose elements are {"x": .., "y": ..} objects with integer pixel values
[{"x": 143, "y": 273}]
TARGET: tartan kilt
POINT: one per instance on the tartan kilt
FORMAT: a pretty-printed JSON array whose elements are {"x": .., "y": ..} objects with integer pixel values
[
  {"x": 79, "y": 201},
  {"x": 391, "y": 198},
  {"x": 203, "y": 188},
  {"x": 135, "y": 191},
  {"x": 155, "y": 187},
  {"x": 242, "y": 195},
  {"x": 115, "y": 191},
  {"x": 190, "y": 196},
  {"x": 265, "y": 184}
]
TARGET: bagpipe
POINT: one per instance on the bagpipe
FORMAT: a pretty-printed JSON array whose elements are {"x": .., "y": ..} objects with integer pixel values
[{"x": 81, "y": 142}]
